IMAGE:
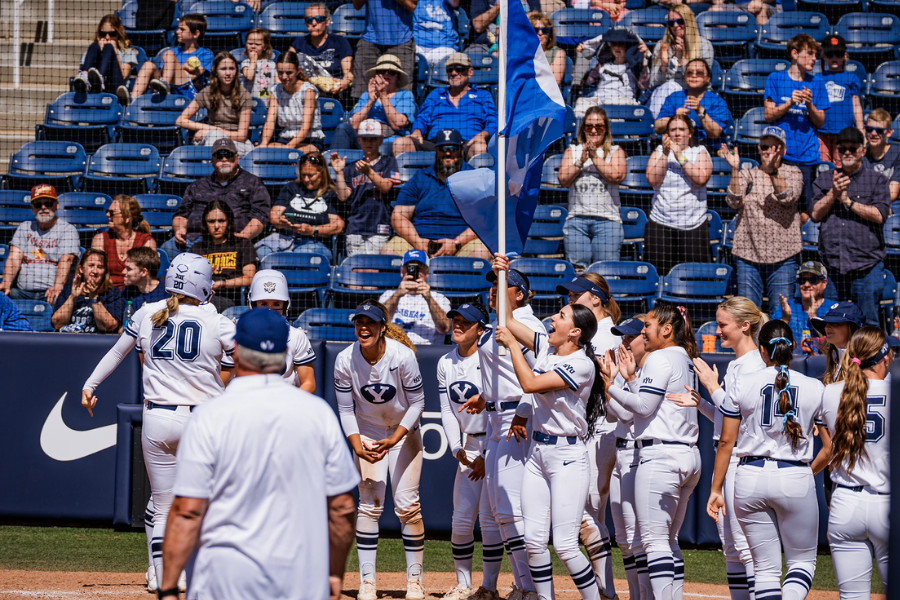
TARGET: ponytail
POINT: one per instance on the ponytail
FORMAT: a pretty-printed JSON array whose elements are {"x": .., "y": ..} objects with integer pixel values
[
  {"x": 610, "y": 306},
  {"x": 833, "y": 371},
  {"x": 584, "y": 319},
  {"x": 778, "y": 340},
  {"x": 392, "y": 330},
  {"x": 161, "y": 317},
  {"x": 680, "y": 320}
]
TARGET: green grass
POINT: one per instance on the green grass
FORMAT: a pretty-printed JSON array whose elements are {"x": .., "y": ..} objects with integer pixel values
[{"x": 78, "y": 549}]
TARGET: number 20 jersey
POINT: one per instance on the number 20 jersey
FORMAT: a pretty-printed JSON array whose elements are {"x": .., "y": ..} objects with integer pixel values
[{"x": 182, "y": 360}]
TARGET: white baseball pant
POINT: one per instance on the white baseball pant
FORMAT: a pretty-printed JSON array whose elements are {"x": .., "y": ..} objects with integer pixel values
[
  {"x": 858, "y": 528},
  {"x": 628, "y": 538},
  {"x": 738, "y": 561},
  {"x": 601, "y": 450}
]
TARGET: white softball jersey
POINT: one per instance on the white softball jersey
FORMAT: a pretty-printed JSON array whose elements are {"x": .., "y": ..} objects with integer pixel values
[
  {"x": 386, "y": 394},
  {"x": 665, "y": 371},
  {"x": 459, "y": 378},
  {"x": 299, "y": 353},
  {"x": 266, "y": 455},
  {"x": 624, "y": 417},
  {"x": 874, "y": 469},
  {"x": 602, "y": 341},
  {"x": 755, "y": 402},
  {"x": 749, "y": 363},
  {"x": 562, "y": 412}
]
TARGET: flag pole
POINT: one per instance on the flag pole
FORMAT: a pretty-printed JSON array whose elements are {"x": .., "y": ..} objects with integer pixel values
[{"x": 502, "y": 297}]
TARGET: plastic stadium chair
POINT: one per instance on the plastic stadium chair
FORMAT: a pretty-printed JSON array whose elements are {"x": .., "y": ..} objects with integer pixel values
[
  {"x": 235, "y": 312},
  {"x": 892, "y": 234},
  {"x": 631, "y": 127},
  {"x": 749, "y": 128},
  {"x": 158, "y": 209},
  {"x": 833, "y": 9},
  {"x": 349, "y": 22},
  {"x": 884, "y": 88},
  {"x": 888, "y": 301},
  {"x": 891, "y": 7},
  {"x": 634, "y": 189},
  {"x": 163, "y": 264},
  {"x": 809, "y": 236},
  {"x": 545, "y": 274},
  {"x": 895, "y": 207},
  {"x": 332, "y": 114},
  {"x": 285, "y": 22},
  {"x": 717, "y": 78},
  {"x": 275, "y": 166},
  {"x": 546, "y": 233},
  {"x": 364, "y": 276},
  {"x": 732, "y": 33},
  {"x": 351, "y": 155},
  {"x": 422, "y": 77},
  {"x": 857, "y": 68},
  {"x": 411, "y": 163},
  {"x": 60, "y": 164},
  {"x": 630, "y": 281},
  {"x": 482, "y": 161},
  {"x": 717, "y": 186},
  {"x": 328, "y": 324},
  {"x": 782, "y": 26},
  {"x": 462, "y": 25},
  {"x": 716, "y": 231},
  {"x": 185, "y": 165},
  {"x": 460, "y": 279},
  {"x": 708, "y": 341},
  {"x": 150, "y": 119},
  {"x": 10, "y": 218},
  {"x": 486, "y": 73},
  {"x": 84, "y": 201},
  {"x": 649, "y": 24},
  {"x": 727, "y": 239},
  {"x": 37, "y": 312},
  {"x": 88, "y": 119},
  {"x": 575, "y": 25},
  {"x": 4, "y": 254},
  {"x": 872, "y": 38},
  {"x": 15, "y": 198},
  {"x": 87, "y": 221},
  {"x": 151, "y": 40},
  {"x": 745, "y": 82},
  {"x": 226, "y": 22},
  {"x": 123, "y": 169},
  {"x": 634, "y": 4},
  {"x": 308, "y": 276},
  {"x": 634, "y": 222},
  {"x": 551, "y": 192},
  {"x": 700, "y": 286}
]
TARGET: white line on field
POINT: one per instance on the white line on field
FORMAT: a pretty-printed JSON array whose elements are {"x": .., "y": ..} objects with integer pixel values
[{"x": 60, "y": 593}]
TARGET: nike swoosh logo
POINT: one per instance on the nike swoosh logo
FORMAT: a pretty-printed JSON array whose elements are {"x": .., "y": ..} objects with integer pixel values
[
  {"x": 567, "y": 462},
  {"x": 394, "y": 369},
  {"x": 62, "y": 443}
]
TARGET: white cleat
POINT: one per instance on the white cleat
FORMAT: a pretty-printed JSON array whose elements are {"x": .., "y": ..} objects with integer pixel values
[
  {"x": 414, "y": 590},
  {"x": 366, "y": 591},
  {"x": 459, "y": 593},
  {"x": 483, "y": 593},
  {"x": 182, "y": 582},
  {"x": 151, "y": 580}
]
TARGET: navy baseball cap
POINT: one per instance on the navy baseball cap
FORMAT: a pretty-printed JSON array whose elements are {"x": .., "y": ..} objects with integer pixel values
[
  {"x": 469, "y": 313},
  {"x": 263, "y": 330},
  {"x": 893, "y": 341},
  {"x": 630, "y": 327},
  {"x": 513, "y": 278},
  {"x": 416, "y": 255},
  {"x": 882, "y": 352},
  {"x": 582, "y": 284},
  {"x": 839, "y": 312},
  {"x": 447, "y": 137},
  {"x": 369, "y": 310}
]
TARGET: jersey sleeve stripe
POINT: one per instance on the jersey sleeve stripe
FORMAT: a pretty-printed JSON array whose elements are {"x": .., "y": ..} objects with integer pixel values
[
  {"x": 341, "y": 388},
  {"x": 414, "y": 388},
  {"x": 305, "y": 361},
  {"x": 566, "y": 379},
  {"x": 733, "y": 414},
  {"x": 229, "y": 351},
  {"x": 130, "y": 332},
  {"x": 652, "y": 390}
]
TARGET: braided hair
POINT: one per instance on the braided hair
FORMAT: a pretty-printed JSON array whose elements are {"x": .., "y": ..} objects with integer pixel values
[{"x": 778, "y": 341}]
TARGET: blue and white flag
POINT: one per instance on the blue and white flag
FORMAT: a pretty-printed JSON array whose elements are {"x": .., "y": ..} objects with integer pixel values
[{"x": 535, "y": 114}]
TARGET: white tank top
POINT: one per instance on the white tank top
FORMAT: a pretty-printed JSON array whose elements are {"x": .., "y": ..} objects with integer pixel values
[{"x": 590, "y": 195}]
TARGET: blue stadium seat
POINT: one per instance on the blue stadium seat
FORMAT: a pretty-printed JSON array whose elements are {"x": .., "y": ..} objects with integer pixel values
[
  {"x": 226, "y": 22},
  {"x": 717, "y": 186},
  {"x": 717, "y": 78},
  {"x": 352, "y": 155},
  {"x": 716, "y": 231},
  {"x": 88, "y": 119},
  {"x": 364, "y": 276},
  {"x": 872, "y": 38},
  {"x": 884, "y": 88},
  {"x": 634, "y": 222},
  {"x": 87, "y": 221},
  {"x": 60, "y": 164},
  {"x": 545, "y": 274},
  {"x": 37, "y": 312},
  {"x": 10, "y": 218},
  {"x": 809, "y": 236},
  {"x": 158, "y": 209},
  {"x": 649, "y": 24},
  {"x": 884, "y": 6},
  {"x": 185, "y": 165},
  {"x": 631, "y": 127},
  {"x": 635, "y": 4},
  {"x": 150, "y": 119},
  {"x": 284, "y": 20},
  {"x": 575, "y": 25},
  {"x": 123, "y": 169},
  {"x": 634, "y": 189},
  {"x": 889, "y": 300},
  {"x": 411, "y": 163},
  {"x": 546, "y": 233},
  {"x": 349, "y": 22},
  {"x": 482, "y": 161},
  {"x": 892, "y": 234},
  {"x": 732, "y": 33},
  {"x": 235, "y": 312},
  {"x": 163, "y": 264},
  {"x": 486, "y": 75},
  {"x": 895, "y": 207},
  {"x": 4, "y": 254},
  {"x": 84, "y": 201},
  {"x": 833, "y": 9},
  {"x": 422, "y": 77},
  {"x": 857, "y": 68},
  {"x": 332, "y": 113},
  {"x": 460, "y": 279},
  {"x": 328, "y": 324},
  {"x": 708, "y": 330},
  {"x": 308, "y": 276},
  {"x": 275, "y": 166},
  {"x": 749, "y": 128},
  {"x": 15, "y": 198},
  {"x": 567, "y": 79},
  {"x": 551, "y": 192},
  {"x": 745, "y": 82},
  {"x": 630, "y": 281},
  {"x": 151, "y": 40},
  {"x": 727, "y": 238},
  {"x": 782, "y": 26},
  {"x": 700, "y": 286},
  {"x": 462, "y": 27}
]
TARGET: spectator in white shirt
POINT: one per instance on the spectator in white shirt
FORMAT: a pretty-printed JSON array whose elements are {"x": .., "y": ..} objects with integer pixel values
[{"x": 420, "y": 312}]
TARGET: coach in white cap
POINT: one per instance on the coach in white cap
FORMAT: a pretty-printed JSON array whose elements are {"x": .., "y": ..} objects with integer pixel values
[{"x": 263, "y": 484}]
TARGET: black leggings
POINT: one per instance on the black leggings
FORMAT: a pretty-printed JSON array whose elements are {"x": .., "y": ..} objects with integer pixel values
[
  {"x": 107, "y": 62},
  {"x": 667, "y": 246}
]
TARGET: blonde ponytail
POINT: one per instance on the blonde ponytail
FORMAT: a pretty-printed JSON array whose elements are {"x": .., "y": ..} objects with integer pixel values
[
  {"x": 161, "y": 317},
  {"x": 396, "y": 333}
]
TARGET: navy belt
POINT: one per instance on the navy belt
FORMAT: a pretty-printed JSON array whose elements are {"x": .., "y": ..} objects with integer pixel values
[
  {"x": 859, "y": 488},
  {"x": 165, "y": 406},
  {"x": 482, "y": 434},
  {"x": 623, "y": 443},
  {"x": 746, "y": 460},
  {"x": 648, "y": 443},
  {"x": 552, "y": 439},
  {"x": 492, "y": 406}
]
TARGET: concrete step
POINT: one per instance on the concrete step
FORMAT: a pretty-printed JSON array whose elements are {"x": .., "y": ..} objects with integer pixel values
[
  {"x": 29, "y": 97},
  {"x": 32, "y": 54},
  {"x": 92, "y": 11},
  {"x": 41, "y": 74},
  {"x": 10, "y": 142},
  {"x": 35, "y": 30}
]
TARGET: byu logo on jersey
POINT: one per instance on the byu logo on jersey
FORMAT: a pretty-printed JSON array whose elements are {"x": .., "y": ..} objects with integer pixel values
[
  {"x": 379, "y": 393},
  {"x": 461, "y": 391}
]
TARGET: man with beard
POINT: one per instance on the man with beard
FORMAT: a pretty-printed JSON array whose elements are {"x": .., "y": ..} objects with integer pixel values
[
  {"x": 244, "y": 192},
  {"x": 41, "y": 252},
  {"x": 852, "y": 203},
  {"x": 812, "y": 279},
  {"x": 425, "y": 217}
]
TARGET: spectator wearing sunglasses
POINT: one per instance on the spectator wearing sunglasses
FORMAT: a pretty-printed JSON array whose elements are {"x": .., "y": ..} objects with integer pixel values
[
  {"x": 811, "y": 303},
  {"x": 852, "y": 203},
  {"x": 389, "y": 30},
  {"x": 706, "y": 109},
  {"x": 435, "y": 29},
  {"x": 681, "y": 44},
  {"x": 767, "y": 240},
  {"x": 331, "y": 52},
  {"x": 543, "y": 26},
  {"x": 108, "y": 61},
  {"x": 41, "y": 252},
  {"x": 127, "y": 230},
  {"x": 844, "y": 92},
  {"x": 242, "y": 191},
  {"x": 467, "y": 109},
  {"x": 882, "y": 156}
]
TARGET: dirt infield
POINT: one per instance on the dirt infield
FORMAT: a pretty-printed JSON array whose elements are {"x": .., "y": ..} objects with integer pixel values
[{"x": 16, "y": 585}]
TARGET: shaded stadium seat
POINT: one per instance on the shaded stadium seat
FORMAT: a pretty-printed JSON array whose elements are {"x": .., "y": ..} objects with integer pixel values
[
  {"x": 328, "y": 324},
  {"x": 872, "y": 38},
  {"x": 349, "y": 22},
  {"x": 257, "y": 121},
  {"x": 10, "y": 218},
  {"x": 717, "y": 77},
  {"x": 732, "y": 33},
  {"x": 150, "y": 119},
  {"x": 351, "y": 155},
  {"x": 649, "y": 24},
  {"x": 782, "y": 26},
  {"x": 809, "y": 236},
  {"x": 895, "y": 207},
  {"x": 631, "y": 127},
  {"x": 749, "y": 128},
  {"x": 163, "y": 264},
  {"x": 422, "y": 77},
  {"x": 37, "y": 312},
  {"x": 634, "y": 222},
  {"x": 151, "y": 40},
  {"x": 275, "y": 166},
  {"x": 634, "y": 189},
  {"x": 884, "y": 6},
  {"x": 892, "y": 234},
  {"x": 546, "y": 234},
  {"x": 364, "y": 276},
  {"x": 745, "y": 82},
  {"x": 307, "y": 277},
  {"x": 544, "y": 274},
  {"x": 481, "y": 161},
  {"x": 411, "y": 163},
  {"x": 123, "y": 169},
  {"x": 551, "y": 192},
  {"x": 889, "y": 300},
  {"x": 182, "y": 167},
  {"x": 15, "y": 198},
  {"x": 60, "y": 164},
  {"x": 226, "y": 22},
  {"x": 630, "y": 281},
  {"x": 84, "y": 201},
  {"x": 158, "y": 210},
  {"x": 716, "y": 231},
  {"x": 700, "y": 286},
  {"x": 87, "y": 221},
  {"x": 857, "y": 68},
  {"x": 575, "y": 25},
  {"x": 332, "y": 113},
  {"x": 460, "y": 279},
  {"x": 88, "y": 119},
  {"x": 884, "y": 87},
  {"x": 833, "y": 9},
  {"x": 235, "y": 312},
  {"x": 717, "y": 186},
  {"x": 728, "y": 228},
  {"x": 567, "y": 79},
  {"x": 284, "y": 20}
]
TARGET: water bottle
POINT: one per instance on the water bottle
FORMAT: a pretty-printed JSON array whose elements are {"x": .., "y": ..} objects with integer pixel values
[
  {"x": 129, "y": 312},
  {"x": 896, "y": 324}
]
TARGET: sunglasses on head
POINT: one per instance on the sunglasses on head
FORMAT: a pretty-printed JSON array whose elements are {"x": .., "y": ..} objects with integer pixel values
[
  {"x": 312, "y": 159},
  {"x": 226, "y": 154},
  {"x": 847, "y": 149},
  {"x": 318, "y": 19},
  {"x": 43, "y": 203},
  {"x": 457, "y": 69},
  {"x": 674, "y": 22},
  {"x": 810, "y": 279},
  {"x": 544, "y": 30},
  {"x": 876, "y": 130},
  {"x": 110, "y": 34},
  {"x": 833, "y": 54}
]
